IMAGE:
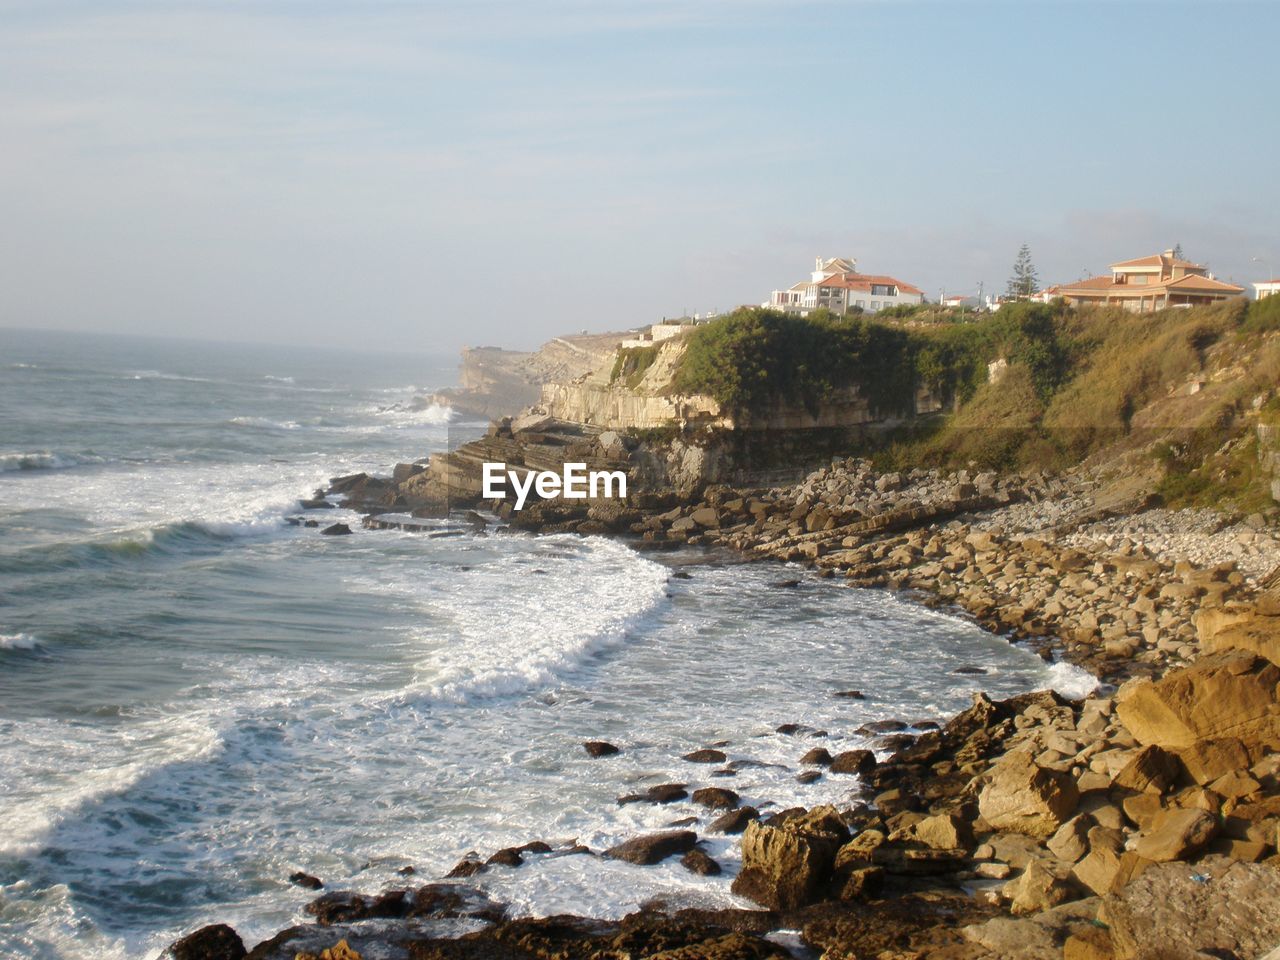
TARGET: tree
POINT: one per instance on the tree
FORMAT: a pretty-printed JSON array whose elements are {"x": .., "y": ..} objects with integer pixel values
[
  {"x": 1177, "y": 252},
  {"x": 1024, "y": 281}
]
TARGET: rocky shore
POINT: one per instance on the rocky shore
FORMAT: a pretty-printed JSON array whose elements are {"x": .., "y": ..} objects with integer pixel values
[{"x": 1140, "y": 822}]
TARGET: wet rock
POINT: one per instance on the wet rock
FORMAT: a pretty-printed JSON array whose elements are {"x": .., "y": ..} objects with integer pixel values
[
  {"x": 653, "y": 848},
  {"x": 342, "y": 950},
  {"x": 336, "y": 530},
  {"x": 705, "y": 756},
  {"x": 695, "y": 861},
  {"x": 850, "y": 694},
  {"x": 600, "y": 748},
  {"x": 970, "y": 671},
  {"x": 735, "y": 821},
  {"x": 662, "y": 793},
  {"x": 881, "y": 726},
  {"x": 853, "y": 761},
  {"x": 1026, "y": 798},
  {"x": 787, "y": 865},
  {"x": 214, "y": 942},
  {"x": 817, "y": 757},
  {"x": 468, "y": 866},
  {"x": 716, "y": 798},
  {"x": 306, "y": 881},
  {"x": 808, "y": 776},
  {"x": 345, "y": 907},
  {"x": 506, "y": 857}
]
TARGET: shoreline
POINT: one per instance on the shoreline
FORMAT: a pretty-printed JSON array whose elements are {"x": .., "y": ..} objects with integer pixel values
[{"x": 930, "y": 857}]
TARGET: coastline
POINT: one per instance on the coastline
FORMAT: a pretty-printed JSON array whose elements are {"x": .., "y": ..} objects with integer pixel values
[{"x": 924, "y": 864}]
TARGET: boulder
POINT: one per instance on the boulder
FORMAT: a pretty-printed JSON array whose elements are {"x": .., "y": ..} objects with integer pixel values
[
  {"x": 716, "y": 798},
  {"x": 735, "y": 821},
  {"x": 1207, "y": 760},
  {"x": 662, "y": 793},
  {"x": 1223, "y": 909},
  {"x": 944, "y": 832},
  {"x": 853, "y": 761},
  {"x": 599, "y": 748},
  {"x": 1151, "y": 770},
  {"x": 788, "y": 865},
  {"x": 1042, "y": 885},
  {"x": 1026, "y": 798},
  {"x": 1226, "y": 694},
  {"x": 1071, "y": 841},
  {"x": 695, "y": 861},
  {"x": 705, "y": 756},
  {"x": 1176, "y": 835},
  {"x": 336, "y": 530},
  {"x": 817, "y": 757},
  {"x": 214, "y": 942},
  {"x": 654, "y": 847}
]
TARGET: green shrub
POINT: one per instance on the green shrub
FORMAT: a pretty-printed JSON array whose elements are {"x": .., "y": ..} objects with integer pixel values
[{"x": 630, "y": 364}]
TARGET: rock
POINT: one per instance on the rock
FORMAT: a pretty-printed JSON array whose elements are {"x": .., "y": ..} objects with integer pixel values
[
  {"x": 706, "y": 517},
  {"x": 341, "y": 950},
  {"x": 662, "y": 793},
  {"x": 336, "y": 530},
  {"x": 506, "y": 857},
  {"x": 1176, "y": 835},
  {"x": 1092, "y": 943},
  {"x": 706, "y": 756},
  {"x": 1226, "y": 694},
  {"x": 1027, "y": 799},
  {"x": 214, "y": 942},
  {"x": 1207, "y": 760},
  {"x": 1071, "y": 841},
  {"x": 1037, "y": 937},
  {"x": 817, "y": 757},
  {"x": 600, "y": 748},
  {"x": 944, "y": 832},
  {"x": 1039, "y": 887},
  {"x": 468, "y": 866},
  {"x": 343, "y": 906},
  {"x": 1151, "y": 770},
  {"x": 1098, "y": 870},
  {"x": 808, "y": 776},
  {"x": 1222, "y": 909},
  {"x": 716, "y": 798},
  {"x": 787, "y": 865},
  {"x": 306, "y": 880},
  {"x": 653, "y": 848},
  {"x": 850, "y": 694},
  {"x": 735, "y": 821},
  {"x": 853, "y": 761},
  {"x": 695, "y": 861}
]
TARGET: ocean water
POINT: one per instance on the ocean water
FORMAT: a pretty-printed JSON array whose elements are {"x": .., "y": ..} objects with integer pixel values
[{"x": 197, "y": 699}]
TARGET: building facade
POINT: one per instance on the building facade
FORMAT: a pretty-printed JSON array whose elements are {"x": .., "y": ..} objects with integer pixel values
[
  {"x": 836, "y": 285},
  {"x": 1151, "y": 283}
]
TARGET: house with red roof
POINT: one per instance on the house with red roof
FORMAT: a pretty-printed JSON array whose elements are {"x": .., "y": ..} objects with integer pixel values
[
  {"x": 1151, "y": 283},
  {"x": 836, "y": 285}
]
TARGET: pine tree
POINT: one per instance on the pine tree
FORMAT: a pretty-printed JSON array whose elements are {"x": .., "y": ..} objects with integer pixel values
[
  {"x": 1177, "y": 252},
  {"x": 1024, "y": 281}
]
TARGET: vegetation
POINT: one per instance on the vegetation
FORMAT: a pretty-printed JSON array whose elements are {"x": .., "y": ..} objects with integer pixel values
[
  {"x": 1075, "y": 383},
  {"x": 1024, "y": 281},
  {"x": 630, "y": 365}
]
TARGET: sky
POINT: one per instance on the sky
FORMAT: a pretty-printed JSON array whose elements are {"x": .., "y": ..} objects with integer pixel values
[{"x": 428, "y": 175}]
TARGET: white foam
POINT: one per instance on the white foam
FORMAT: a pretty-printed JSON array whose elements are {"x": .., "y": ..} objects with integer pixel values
[
  {"x": 1071, "y": 681},
  {"x": 265, "y": 423},
  {"x": 45, "y": 460},
  {"x": 18, "y": 641}
]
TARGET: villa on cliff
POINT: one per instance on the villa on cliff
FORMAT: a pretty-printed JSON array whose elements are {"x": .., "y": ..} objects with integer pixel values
[
  {"x": 836, "y": 285},
  {"x": 1150, "y": 283}
]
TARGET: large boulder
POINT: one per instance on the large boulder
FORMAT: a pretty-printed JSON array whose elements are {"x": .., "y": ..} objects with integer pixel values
[
  {"x": 1026, "y": 798},
  {"x": 1151, "y": 770},
  {"x": 214, "y": 942},
  {"x": 1042, "y": 885},
  {"x": 788, "y": 864},
  {"x": 1177, "y": 834},
  {"x": 1207, "y": 760},
  {"x": 654, "y": 847},
  {"x": 1255, "y": 628},
  {"x": 1223, "y": 908},
  {"x": 1226, "y": 694}
]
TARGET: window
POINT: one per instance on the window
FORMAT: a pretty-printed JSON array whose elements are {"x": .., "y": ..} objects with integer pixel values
[
  {"x": 875, "y": 304},
  {"x": 883, "y": 290}
]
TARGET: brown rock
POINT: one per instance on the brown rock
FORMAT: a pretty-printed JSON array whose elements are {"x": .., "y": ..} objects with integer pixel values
[
  {"x": 1168, "y": 912},
  {"x": 817, "y": 757},
  {"x": 853, "y": 761},
  {"x": 1207, "y": 760},
  {"x": 695, "y": 861},
  {"x": 706, "y": 756},
  {"x": 1176, "y": 835},
  {"x": 786, "y": 866},
  {"x": 1071, "y": 841},
  {"x": 600, "y": 748},
  {"x": 735, "y": 821},
  {"x": 944, "y": 832},
  {"x": 1151, "y": 770},
  {"x": 653, "y": 848},
  {"x": 1092, "y": 943},
  {"x": 214, "y": 942},
  {"x": 716, "y": 798},
  {"x": 1040, "y": 886},
  {"x": 1026, "y": 798},
  {"x": 1226, "y": 694}
]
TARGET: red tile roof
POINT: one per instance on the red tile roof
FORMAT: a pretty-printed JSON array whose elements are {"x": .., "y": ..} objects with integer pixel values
[{"x": 863, "y": 281}]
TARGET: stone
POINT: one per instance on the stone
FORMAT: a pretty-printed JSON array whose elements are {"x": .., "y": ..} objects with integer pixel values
[
  {"x": 1071, "y": 841},
  {"x": 1208, "y": 759},
  {"x": 1092, "y": 943},
  {"x": 306, "y": 881},
  {"x": 1227, "y": 694},
  {"x": 817, "y": 757},
  {"x": 654, "y": 847},
  {"x": 1040, "y": 886},
  {"x": 706, "y": 517},
  {"x": 944, "y": 832},
  {"x": 336, "y": 530},
  {"x": 695, "y": 861},
  {"x": 1176, "y": 835},
  {"x": 786, "y": 866},
  {"x": 705, "y": 756},
  {"x": 1151, "y": 770},
  {"x": 1098, "y": 870},
  {"x": 662, "y": 793},
  {"x": 1027, "y": 799},
  {"x": 1222, "y": 909},
  {"x": 600, "y": 748},
  {"x": 716, "y": 798},
  {"x": 735, "y": 821},
  {"x": 214, "y": 942},
  {"x": 853, "y": 761},
  {"x": 342, "y": 950}
]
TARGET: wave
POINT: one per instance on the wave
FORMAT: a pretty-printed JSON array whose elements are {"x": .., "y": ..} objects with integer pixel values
[
  {"x": 18, "y": 641},
  {"x": 161, "y": 375},
  {"x": 273, "y": 379},
  {"x": 1072, "y": 682},
  {"x": 264, "y": 423},
  {"x": 45, "y": 460},
  {"x": 433, "y": 414}
]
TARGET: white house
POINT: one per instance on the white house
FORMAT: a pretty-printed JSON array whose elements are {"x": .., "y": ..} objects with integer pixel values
[
  {"x": 836, "y": 285},
  {"x": 1265, "y": 288}
]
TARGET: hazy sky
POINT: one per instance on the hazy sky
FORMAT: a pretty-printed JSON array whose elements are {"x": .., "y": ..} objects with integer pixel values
[{"x": 436, "y": 174}]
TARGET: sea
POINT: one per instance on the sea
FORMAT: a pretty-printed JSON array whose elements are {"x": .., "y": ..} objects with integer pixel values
[{"x": 199, "y": 698}]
